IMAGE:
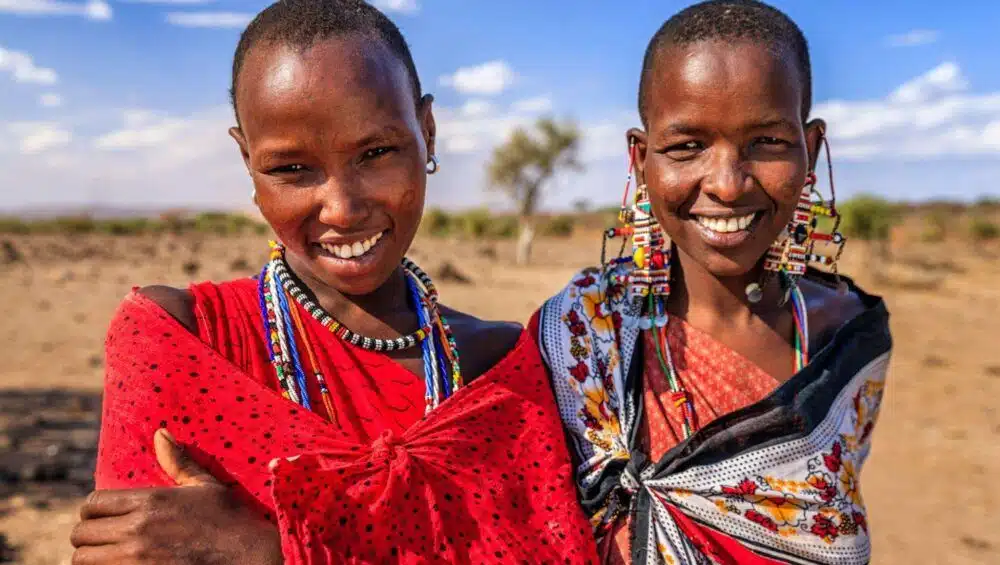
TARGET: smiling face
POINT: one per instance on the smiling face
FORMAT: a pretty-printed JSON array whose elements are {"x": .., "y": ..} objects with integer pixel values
[
  {"x": 725, "y": 155},
  {"x": 337, "y": 149}
]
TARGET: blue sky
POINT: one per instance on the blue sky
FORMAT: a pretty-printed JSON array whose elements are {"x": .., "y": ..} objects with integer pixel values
[{"x": 124, "y": 102}]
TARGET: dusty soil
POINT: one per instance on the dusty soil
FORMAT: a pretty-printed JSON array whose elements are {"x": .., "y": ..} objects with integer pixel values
[{"x": 930, "y": 482}]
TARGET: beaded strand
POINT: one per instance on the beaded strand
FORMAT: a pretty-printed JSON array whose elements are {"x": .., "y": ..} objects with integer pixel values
[{"x": 282, "y": 322}]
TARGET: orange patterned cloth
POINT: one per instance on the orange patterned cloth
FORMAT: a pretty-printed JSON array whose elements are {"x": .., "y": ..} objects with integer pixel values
[{"x": 720, "y": 381}]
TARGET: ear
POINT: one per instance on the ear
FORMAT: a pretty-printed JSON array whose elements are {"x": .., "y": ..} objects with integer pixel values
[
  {"x": 815, "y": 135},
  {"x": 237, "y": 134},
  {"x": 638, "y": 137},
  {"x": 427, "y": 125}
]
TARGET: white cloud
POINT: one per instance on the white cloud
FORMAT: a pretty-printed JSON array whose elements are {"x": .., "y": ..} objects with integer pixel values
[
  {"x": 942, "y": 79},
  {"x": 931, "y": 116},
  {"x": 23, "y": 68},
  {"x": 210, "y": 19},
  {"x": 39, "y": 137},
  {"x": 476, "y": 107},
  {"x": 913, "y": 38},
  {"x": 536, "y": 104},
  {"x": 485, "y": 79},
  {"x": 92, "y": 9},
  {"x": 398, "y": 6},
  {"x": 50, "y": 100}
]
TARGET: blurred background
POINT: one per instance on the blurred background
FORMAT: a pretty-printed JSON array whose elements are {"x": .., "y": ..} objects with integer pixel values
[{"x": 116, "y": 170}]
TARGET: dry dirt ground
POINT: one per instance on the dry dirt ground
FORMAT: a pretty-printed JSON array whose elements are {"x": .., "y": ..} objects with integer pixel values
[{"x": 931, "y": 482}]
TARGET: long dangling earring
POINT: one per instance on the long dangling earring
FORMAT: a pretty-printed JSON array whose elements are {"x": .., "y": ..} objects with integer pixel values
[
  {"x": 649, "y": 279},
  {"x": 789, "y": 256}
]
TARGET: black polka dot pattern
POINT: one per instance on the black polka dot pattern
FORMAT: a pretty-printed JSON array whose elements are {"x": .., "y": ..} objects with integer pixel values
[{"x": 485, "y": 478}]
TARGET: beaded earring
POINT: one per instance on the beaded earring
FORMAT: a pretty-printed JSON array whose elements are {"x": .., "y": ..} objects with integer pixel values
[
  {"x": 649, "y": 280},
  {"x": 789, "y": 256}
]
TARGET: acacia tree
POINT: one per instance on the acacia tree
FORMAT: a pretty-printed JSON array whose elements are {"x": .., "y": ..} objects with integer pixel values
[{"x": 525, "y": 163}]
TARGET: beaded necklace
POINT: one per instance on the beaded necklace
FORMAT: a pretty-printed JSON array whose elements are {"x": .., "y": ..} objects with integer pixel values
[
  {"x": 285, "y": 333},
  {"x": 656, "y": 320}
]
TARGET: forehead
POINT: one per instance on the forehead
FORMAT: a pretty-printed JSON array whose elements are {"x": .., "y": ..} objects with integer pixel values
[
  {"x": 351, "y": 76},
  {"x": 714, "y": 83}
]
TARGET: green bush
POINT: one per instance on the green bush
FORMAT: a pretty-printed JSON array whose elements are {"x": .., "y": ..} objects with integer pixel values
[
  {"x": 475, "y": 224},
  {"x": 126, "y": 226},
  {"x": 982, "y": 229},
  {"x": 437, "y": 223},
  {"x": 559, "y": 226},
  {"x": 504, "y": 227},
  {"x": 14, "y": 226},
  {"x": 937, "y": 226},
  {"x": 868, "y": 217}
]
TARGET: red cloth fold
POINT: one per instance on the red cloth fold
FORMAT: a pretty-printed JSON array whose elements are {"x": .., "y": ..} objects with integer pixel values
[{"x": 485, "y": 478}]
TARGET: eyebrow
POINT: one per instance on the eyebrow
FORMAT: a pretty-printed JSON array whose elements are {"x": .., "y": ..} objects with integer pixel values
[
  {"x": 388, "y": 131},
  {"x": 683, "y": 128}
]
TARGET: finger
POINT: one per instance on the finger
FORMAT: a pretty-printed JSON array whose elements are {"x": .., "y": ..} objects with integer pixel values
[
  {"x": 104, "y": 503},
  {"x": 101, "y": 531},
  {"x": 176, "y": 462}
]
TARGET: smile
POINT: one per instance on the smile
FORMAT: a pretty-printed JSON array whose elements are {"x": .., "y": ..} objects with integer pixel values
[
  {"x": 352, "y": 250},
  {"x": 730, "y": 224}
]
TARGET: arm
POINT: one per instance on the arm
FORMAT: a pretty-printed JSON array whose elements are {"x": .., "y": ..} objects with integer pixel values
[{"x": 197, "y": 522}]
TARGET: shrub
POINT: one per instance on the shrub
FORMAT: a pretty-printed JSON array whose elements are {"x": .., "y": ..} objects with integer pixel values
[
  {"x": 475, "y": 224},
  {"x": 437, "y": 223},
  {"x": 868, "y": 217},
  {"x": 559, "y": 226},
  {"x": 982, "y": 229},
  {"x": 14, "y": 226},
  {"x": 937, "y": 225}
]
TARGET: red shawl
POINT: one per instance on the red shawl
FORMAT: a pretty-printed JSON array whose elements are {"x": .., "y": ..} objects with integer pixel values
[{"x": 485, "y": 478}]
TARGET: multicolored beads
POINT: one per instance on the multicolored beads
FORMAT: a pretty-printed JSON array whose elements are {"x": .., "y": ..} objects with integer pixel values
[{"x": 284, "y": 330}]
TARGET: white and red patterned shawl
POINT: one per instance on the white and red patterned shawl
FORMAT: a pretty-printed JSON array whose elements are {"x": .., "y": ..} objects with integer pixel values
[{"x": 774, "y": 482}]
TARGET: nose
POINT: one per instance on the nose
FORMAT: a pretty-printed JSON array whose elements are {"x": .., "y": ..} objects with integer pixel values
[
  {"x": 727, "y": 178},
  {"x": 342, "y": 202}
]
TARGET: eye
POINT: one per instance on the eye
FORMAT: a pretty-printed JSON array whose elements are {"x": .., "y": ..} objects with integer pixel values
[
  {"x": 377, "y": 152},
  {"x": 773, "y": 142},
  {"x": 684, "y": 150},
  {"x": 287, "y": 169}
]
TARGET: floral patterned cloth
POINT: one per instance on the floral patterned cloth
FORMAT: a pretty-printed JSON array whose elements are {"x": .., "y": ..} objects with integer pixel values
[{"x": 772, "y": 481}]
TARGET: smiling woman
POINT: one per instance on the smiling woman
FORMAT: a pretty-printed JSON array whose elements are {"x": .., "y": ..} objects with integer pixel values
[
  {"x": 719, "y": 394},
  {"x": 332, "y": 395}
]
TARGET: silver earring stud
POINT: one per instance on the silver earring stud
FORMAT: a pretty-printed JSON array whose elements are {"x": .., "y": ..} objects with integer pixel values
[{"x": 432, "y": 165}]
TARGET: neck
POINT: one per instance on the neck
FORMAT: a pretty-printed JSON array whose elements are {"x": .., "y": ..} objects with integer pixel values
[
  {"x": 385, "y": 312},
  {"x": 696, "y": 293}
]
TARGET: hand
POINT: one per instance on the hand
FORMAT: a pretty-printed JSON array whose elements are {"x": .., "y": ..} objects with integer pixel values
[{"x": 196, "y": 523}]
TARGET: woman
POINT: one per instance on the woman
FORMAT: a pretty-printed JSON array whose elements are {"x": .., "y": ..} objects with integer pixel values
[
  {"x": 720, "y": 404},
  {"x": 719, "y": 396},
  {"x": 372, "y": 444}
]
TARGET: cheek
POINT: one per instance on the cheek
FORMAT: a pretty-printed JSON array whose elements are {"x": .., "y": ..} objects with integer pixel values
[
  {"x": 285, "y": 210},
  {"x": 671, "y": 186},
  {"x": 783, "y": 183}
]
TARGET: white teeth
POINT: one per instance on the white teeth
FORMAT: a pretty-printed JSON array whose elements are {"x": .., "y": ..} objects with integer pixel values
[
  {"x": 353, "y": 250},
  {"x": 727, "y": 225}
]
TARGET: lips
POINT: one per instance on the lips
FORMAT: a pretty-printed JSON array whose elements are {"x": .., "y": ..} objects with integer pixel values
[{"x": 351, "y": 249}]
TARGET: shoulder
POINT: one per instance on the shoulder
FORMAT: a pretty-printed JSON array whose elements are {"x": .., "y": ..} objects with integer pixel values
[
  {"x": 177, "y": 302},
  {"x": 208, "y": 300},
  {"x": 481, "y": 343},
  {"x": 829, "y": 308}
]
